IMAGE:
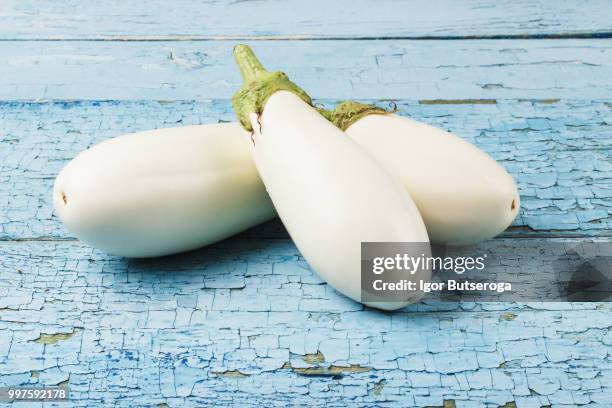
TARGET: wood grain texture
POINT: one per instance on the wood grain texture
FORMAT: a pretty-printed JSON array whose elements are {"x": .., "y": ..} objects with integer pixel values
[
  {"x": 559, "y": 153},
  {"x": 188, "y": 19},
  {"x": 485, "y": 69},
  {"x": 247, "y": 323}
]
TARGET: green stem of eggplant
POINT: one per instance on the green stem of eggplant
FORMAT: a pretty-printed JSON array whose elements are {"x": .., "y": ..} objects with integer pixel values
[
  {"x": 348, "y": 112},
  {"x": 258, "y": 86},
  {"x": 250, "y": 67}
]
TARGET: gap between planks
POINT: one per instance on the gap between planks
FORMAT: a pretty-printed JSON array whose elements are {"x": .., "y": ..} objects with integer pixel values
[
  {"x": 179, "y": 37},
  {"x": 508, "y": 235}
]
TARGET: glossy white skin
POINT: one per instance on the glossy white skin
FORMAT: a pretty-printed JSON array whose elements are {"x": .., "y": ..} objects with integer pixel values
[
  {"x": 163, "y": 191},
  {"x": 464, "y": 196},
  {"x": 115, "y": 204},
  {"x": 330, "y": 194}
]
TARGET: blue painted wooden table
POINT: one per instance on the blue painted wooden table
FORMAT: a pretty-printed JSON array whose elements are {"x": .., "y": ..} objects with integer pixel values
[{"x": 246, "y": 322}]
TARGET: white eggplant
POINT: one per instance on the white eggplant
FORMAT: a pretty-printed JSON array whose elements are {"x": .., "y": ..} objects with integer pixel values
[
  {"x": 161, "y": 192},
  {"x": 329, "y": 193},
  {"x": 463, "y": 195},
  {"x": 208, "y": 188}
]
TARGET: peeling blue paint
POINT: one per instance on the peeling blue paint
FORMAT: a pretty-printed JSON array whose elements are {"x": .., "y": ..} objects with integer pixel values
[
  {"x": 549, "y": 172},
  {"x": 246, "y": 322}
]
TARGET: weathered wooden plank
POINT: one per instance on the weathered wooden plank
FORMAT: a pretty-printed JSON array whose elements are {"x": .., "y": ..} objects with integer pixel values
[
  {"x": 212, "y": 19},
  {"x": 246, "y": 322},
  {"x": 326, "y": 69},
  {"x": 559, "y": 151}
]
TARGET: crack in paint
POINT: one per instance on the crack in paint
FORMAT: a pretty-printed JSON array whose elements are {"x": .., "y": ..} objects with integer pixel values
[{"x": 53, "y": 338}]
